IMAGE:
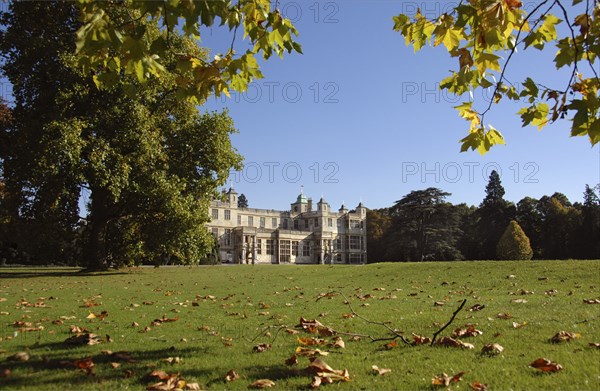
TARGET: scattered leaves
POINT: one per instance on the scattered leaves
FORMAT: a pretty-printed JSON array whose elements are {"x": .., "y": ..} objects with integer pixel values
[
  {"x": 453, "y": 343},
  {"x": 492, "y": 348},
  {"x": 420, "y": 340},
  {"x": 476, "y": 386},
  {"x": 468, "y": 331},
  {"x": 19, "y": 356},
  {"x": 261, "y": 347},
  {"x": 83, "y": 339}
]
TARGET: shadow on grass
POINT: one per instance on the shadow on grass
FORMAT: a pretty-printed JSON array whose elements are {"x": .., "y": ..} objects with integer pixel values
[
  {"x": 54, "y": 272},
  {"x": 42, "y": 372}
]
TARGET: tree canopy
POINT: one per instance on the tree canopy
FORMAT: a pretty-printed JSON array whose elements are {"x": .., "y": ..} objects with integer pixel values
[
  {"x": 485, "y": 35},
  {"x": 149, "y": 162}
]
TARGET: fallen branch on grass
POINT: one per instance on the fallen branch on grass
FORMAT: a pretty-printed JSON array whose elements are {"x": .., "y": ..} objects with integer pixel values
[{"x": 449, "y": 322}]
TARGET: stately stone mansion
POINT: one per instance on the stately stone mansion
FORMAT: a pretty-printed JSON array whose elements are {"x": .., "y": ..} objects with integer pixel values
[{"x": 302, "y": 235}]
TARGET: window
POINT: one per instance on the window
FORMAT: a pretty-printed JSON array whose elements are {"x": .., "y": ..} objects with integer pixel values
[
  {"x": 284, "y": 251},
  {"x": 306, "y": 223},
  {"x": 339, "y": 223},
  {"x": 239, "y": 220},
  {"x": 295, "y": 246},
  {"x": 296, "y": 224},
  {"x": 316, "y": 222},
  {"x": 305, "y": 248},
  {"x": 338, "y": 258},
  {"x": 259, "y": 246},
  {"x": 274, "y": 222},
  {"x": 270, "y": 249},
  {"x": 215, "y": 232},
  {"x": 285, "y": 223},
  {"x": 330, "y": 222},
  {"x": 227, "y": 214},
  {"x": 355, "y": 224},
  {"x": 355, "y": 242},
  {"x": 355, "y": 258},
  {"x": 215, "y": 214},
  {"x": 338, "y": 243},
  {"x": 250, "y": 221},
  {"x": 262, "y": 222},
  {"x": 227, "y": 237}
]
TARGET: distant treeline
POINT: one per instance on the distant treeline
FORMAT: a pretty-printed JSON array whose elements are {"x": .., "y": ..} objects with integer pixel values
[{"x": 422, "y": 226}]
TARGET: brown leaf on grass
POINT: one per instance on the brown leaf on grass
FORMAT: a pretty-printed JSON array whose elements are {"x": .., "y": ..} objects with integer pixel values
[
  {"x": 468, "y": 331},
  {"x": 320, "y": 368},
  {"x": 591, "y": 301},
  {"x": 594, "y": 345},
  {"x": 192, "y": 386},
  {"x": 77, "y": 330},
  {"x": 307, "y": 352},
  {"x": 83, "y": 339},
  {"x": 159, "y": 375},
  {"x": 120, "y": 356},
  {"x": 21, "y": 323},
  {"x": 420, "y": 340},
  {"x": 115, "y": 365},
  {"x": 172, "y": 360},
  {"x": 519, "y": 301},
  {"x": 551, "y": 292},
  {"x": 516, "y": 325},
  {"x": 292, "y": 361},
  {"x": 476, "y": 386},
  {"x": 338, "y": 342},
  {"x": 380, "y": 371},
  {"x": 439, "y": 304},
  {"x": 100, "y": 316},
  {"x": 390, "y": 345},
  {"x": 231, "y": 376},
  {"x": 545, "y": 365},
  {"x": 262, "y": 383},
  {"x": 564, "y": 336},
  {"x": 19, "y": 356},
  {"x": 261, "y": 347},
  {"x": 31, "y": 329},
  {"x": 492, "y": 348},
  {"x": 504, "y": 316},
  {"x": 347, "y": 316},
  {"x": 310, "y": 341},
  {"x": 477, "y": 307},
  {"x": 164, "y": 319},
  {"x": 453, "y": 343},
  {"x": 316, "y": 382},
  {"x": 444, "y": 380},
  {"x": 85, "y": 364}
]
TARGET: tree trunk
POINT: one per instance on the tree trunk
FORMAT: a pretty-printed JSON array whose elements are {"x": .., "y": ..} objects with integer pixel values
[{"x": 94, "y": 251}]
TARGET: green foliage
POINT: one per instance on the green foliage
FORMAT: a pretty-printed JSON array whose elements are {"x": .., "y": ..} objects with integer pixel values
[
  {"x": 108, "y": 46},
  {"x": 242, "y": 201},
  {"x": 485, "y": 35},
  {"x": 149, "y": 162},
  {"x": 514, "y": 244}
]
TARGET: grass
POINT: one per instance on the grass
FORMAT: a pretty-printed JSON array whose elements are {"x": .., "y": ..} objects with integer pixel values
[{"x": 250, "y": 301}]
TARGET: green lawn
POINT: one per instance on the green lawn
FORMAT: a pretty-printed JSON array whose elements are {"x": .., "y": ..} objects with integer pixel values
[{"x": 220, "y": 313}]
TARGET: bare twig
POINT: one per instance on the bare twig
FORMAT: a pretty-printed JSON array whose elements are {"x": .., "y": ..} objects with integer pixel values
[
  {"x": 395, "y": 333},
  {"x": 449, "y": 322}
]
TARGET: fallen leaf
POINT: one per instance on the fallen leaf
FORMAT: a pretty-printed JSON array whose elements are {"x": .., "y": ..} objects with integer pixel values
[
  {"x": 477, "y": 307},
  {"x": 19, "y": 356},
  {"x": 594, "y": 345},
  {"x": 439, "y": 304},
  {"x": 479, "y": 386},
  {"x": 445, "y": 380},
  {"x": 192, "y": 386},
  {"x": 390, "y": 345},
  {"x": 492, "y": 348},
  {"x": 172, "y": 360},
  {"x": 546, "y": 365},
  {"x": 520, "y": 301},
  {"x": 115, "y": 365},
  {"x": 420, "y": 340},
  {"x": 338, "y": 342},
  {"x": 591, "y": 301},
  {"x": 468, "y": 331},
  {"x": 454, "y": 343},
  {"x": 380, "y": 371},
  {"x": 293, "y": 332},
  {"x": 83, "y": 339},
  {"x": 519, "y": 325},
  {"x": 262, "y": 347},
  {"x": 564, "y": 336},
  {"x": 310, "y": 341},
  {"x": 292, "y": 361},
  {"x": 262, "y": 383},
  {"x": 231, "y": 376},
  {"x": 503, "y": 316},
  {"x": 77, "y": 330},
  {"x": 85, "y": 364}
]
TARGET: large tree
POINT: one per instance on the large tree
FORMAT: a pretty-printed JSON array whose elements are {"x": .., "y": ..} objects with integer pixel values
[
  {"x": 493, "y": 216},
  {"x": 424, "y": 227},
  {"x": 485, "y": 35},
  {"x": 149, "y": 162}
]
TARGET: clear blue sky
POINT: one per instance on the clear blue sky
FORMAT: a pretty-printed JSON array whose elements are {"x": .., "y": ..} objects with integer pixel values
[{"x": 359, "y": 117}]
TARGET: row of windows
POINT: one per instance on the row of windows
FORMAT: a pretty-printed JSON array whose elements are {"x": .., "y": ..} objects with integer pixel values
[{"x": 298, "y": 223}]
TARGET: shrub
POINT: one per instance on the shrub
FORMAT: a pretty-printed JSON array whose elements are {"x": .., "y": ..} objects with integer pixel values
[{"x": 514, "y": 244}]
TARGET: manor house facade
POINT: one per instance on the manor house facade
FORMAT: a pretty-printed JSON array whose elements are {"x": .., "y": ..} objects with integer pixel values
[{"x": 302, "y": 235}]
